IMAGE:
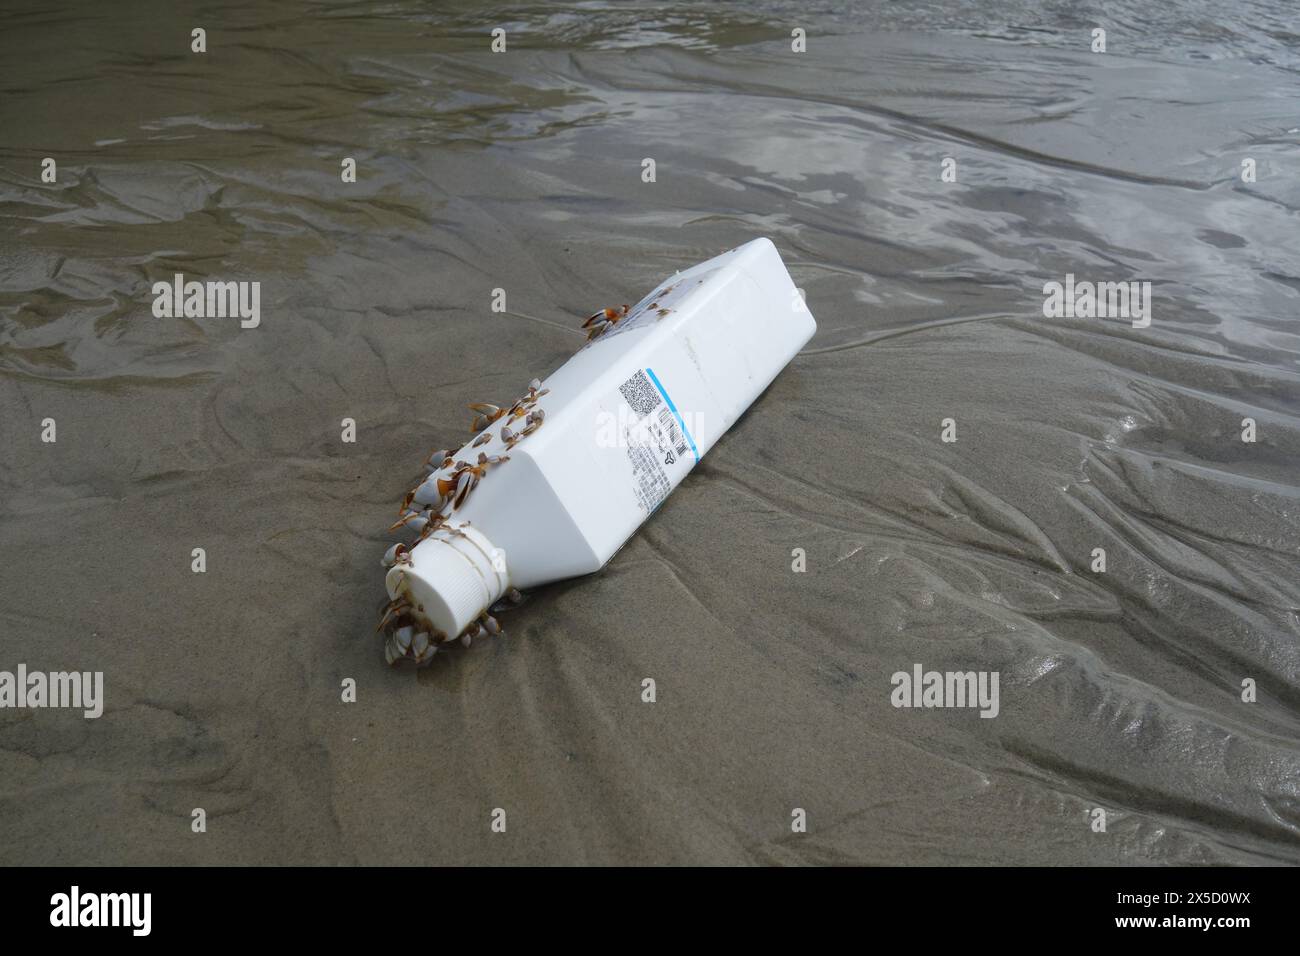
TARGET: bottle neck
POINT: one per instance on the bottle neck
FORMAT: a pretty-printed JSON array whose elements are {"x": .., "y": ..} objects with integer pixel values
[{"x": 451, "y": 579}]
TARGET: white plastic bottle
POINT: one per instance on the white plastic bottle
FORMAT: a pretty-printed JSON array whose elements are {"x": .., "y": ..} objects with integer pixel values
[{"x": 623, "y": 421}]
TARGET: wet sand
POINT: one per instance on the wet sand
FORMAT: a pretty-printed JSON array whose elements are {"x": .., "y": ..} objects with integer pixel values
[{"x": 1119, "y": 690}]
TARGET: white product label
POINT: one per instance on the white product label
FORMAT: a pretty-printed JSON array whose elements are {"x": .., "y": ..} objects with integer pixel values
[{"x": 659, "y": 447}]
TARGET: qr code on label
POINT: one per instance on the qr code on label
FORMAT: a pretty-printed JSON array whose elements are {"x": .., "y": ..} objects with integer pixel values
[{"x": 640, "y": 394}]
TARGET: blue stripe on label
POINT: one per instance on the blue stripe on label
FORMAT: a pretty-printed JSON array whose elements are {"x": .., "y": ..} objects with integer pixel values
[{"x": 673, "y": 408}]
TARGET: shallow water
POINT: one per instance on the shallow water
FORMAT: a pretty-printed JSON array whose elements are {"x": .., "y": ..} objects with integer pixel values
[{"x": 1119, "y": 690}]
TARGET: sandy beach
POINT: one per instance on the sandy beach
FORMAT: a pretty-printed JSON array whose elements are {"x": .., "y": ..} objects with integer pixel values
[{"x": 1120, "y": 690}]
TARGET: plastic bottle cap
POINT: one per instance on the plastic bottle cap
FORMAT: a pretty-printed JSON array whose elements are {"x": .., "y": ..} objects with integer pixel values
[{"x": 455, "y": 575}]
